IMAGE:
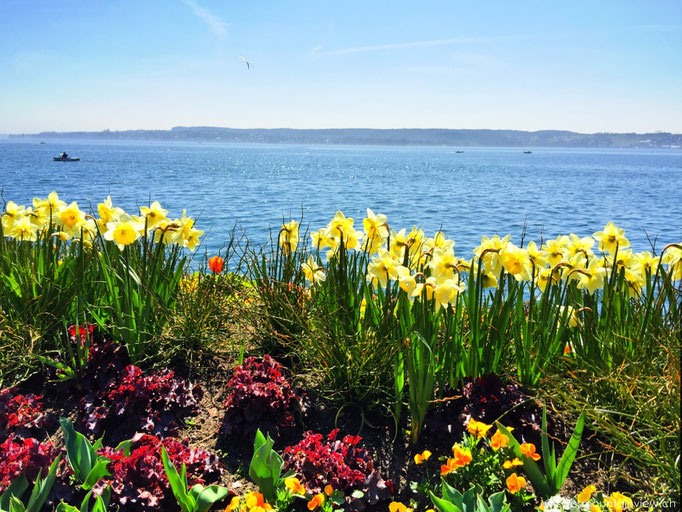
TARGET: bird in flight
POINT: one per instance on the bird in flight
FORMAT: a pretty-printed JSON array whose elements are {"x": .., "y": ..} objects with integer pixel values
[{"x": 248, "y": 66}]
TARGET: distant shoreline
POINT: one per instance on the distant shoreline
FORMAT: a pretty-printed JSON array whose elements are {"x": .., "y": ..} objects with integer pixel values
[{"x": 384, "y": 137}]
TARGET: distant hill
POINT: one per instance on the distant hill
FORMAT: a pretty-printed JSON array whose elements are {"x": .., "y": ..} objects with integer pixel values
[{"x": 397, "y": 137}]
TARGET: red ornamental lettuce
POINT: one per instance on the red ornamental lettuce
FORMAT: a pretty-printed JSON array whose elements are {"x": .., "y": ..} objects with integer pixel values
[
  {"x": 27, "y": 456},
  {"x": 138, "y": 479},
  {"x": 20, "y": 412},
  {"x": 155, "y": 403},
  {"x": 261, "y": 397},
  {"x": 343, "y": 464}
]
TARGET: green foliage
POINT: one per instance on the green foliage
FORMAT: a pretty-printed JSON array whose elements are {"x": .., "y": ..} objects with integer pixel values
[
  {"x": 471, "y": 501},
  {"x": 87, "y": 465},
  {"x": 547, "y": 481},
  {"x": 196, "y": 499},
  {"x": 10, "y": 500},
  {"x": 141, "y": 285},
  {"x": 100, "y": 505},
  {"x": 266, "y": 467}
]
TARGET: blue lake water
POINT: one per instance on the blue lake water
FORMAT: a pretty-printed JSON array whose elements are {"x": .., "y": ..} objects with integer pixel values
[{"x": 481, "y": 191}]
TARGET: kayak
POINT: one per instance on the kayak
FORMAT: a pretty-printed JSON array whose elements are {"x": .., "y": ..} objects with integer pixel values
[{"x": 67, "y": 159}]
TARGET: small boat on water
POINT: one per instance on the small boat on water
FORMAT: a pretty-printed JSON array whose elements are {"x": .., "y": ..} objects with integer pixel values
[
  {"x": 528, "y": 152},
  {"x": 459, "y": 151},
  {"x": 43, "y": 142},
  {"x": 65, "y": 158}
]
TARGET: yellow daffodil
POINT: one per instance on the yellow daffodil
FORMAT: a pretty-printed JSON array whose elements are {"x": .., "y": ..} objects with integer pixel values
[
  {"x": 447, "y": 292},
  {"x": 50, "y": 206},
  {"x": 11, "y": 214},
  {"x": 515, "y": 261},
  {"x": 444, "y": 264},
  {"x": 545, "y": 276},
  {"x": 385, "y": 267},
  {"x": 427, "y": 288},
  {"x": 167, "y": 232},
  {"x": 23, "y": 229},
  {"x": 556, "y": 249},
  {"x": 70, "y": 218},
  {"x": 591, "y": 277},
  {"x": 341, "y": 226},
  {"x": 645, "y": 262},
  {"x": 490, "y": 249},
  {"x": 153, "y": 215},
  {"x": 320, "y": 239},
  {"x": 611, "y": 238},
  {"x": 673, "y": 258},
  {"x": 570, "y": 314},
  {"x": 288, "y": 237},
  {"x": 124, "y": 230},
  {"x": 408, "y": 283},
  {"x": 312, "y": 271},
  {"x": 375, "y": 226},
  {"x": 399, "y": 244},
  {"x": 580, "y": 245},
  {"x": 537, "y": 257},
  {"x": 107, "y": 212}
]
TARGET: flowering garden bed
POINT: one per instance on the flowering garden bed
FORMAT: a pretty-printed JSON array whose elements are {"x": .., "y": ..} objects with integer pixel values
[{"x": 359, "y": 370}]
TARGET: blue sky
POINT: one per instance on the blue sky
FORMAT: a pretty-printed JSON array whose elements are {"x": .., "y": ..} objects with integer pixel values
[{"x": 128, "y": 64}]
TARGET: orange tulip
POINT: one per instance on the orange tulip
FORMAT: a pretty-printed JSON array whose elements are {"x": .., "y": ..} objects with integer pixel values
[{"x": 216, "y": 264}]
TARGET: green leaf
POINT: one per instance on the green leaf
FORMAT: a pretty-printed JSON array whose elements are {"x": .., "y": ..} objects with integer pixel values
[
  {"x": 207, "y": 496},
  {"x": 266, "y": 466},
  {"x": 451, "y": 494},
  {"x": 42, "y": 488},
  {"x": 571, "y": 451},
  {"x": 443, "y": 505},
  {"x": 79, "y": 451},
  {"x": 16, "y": 488},
  {"x": 498, "y": 502},
  {"x": 179, "y": 488},
  {"x": 15, "y": 505},
  {"x": 63, "y": 507},
  {"x": 99, "y": 470}
]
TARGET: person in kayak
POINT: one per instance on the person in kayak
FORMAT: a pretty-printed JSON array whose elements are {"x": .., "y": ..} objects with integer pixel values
[{"x": 63, "y": 155}]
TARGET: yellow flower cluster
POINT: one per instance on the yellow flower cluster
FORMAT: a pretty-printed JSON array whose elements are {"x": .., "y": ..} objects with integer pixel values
[
  {"x": 405, "y": 257},
  {"x": 70, "y": 222}
]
